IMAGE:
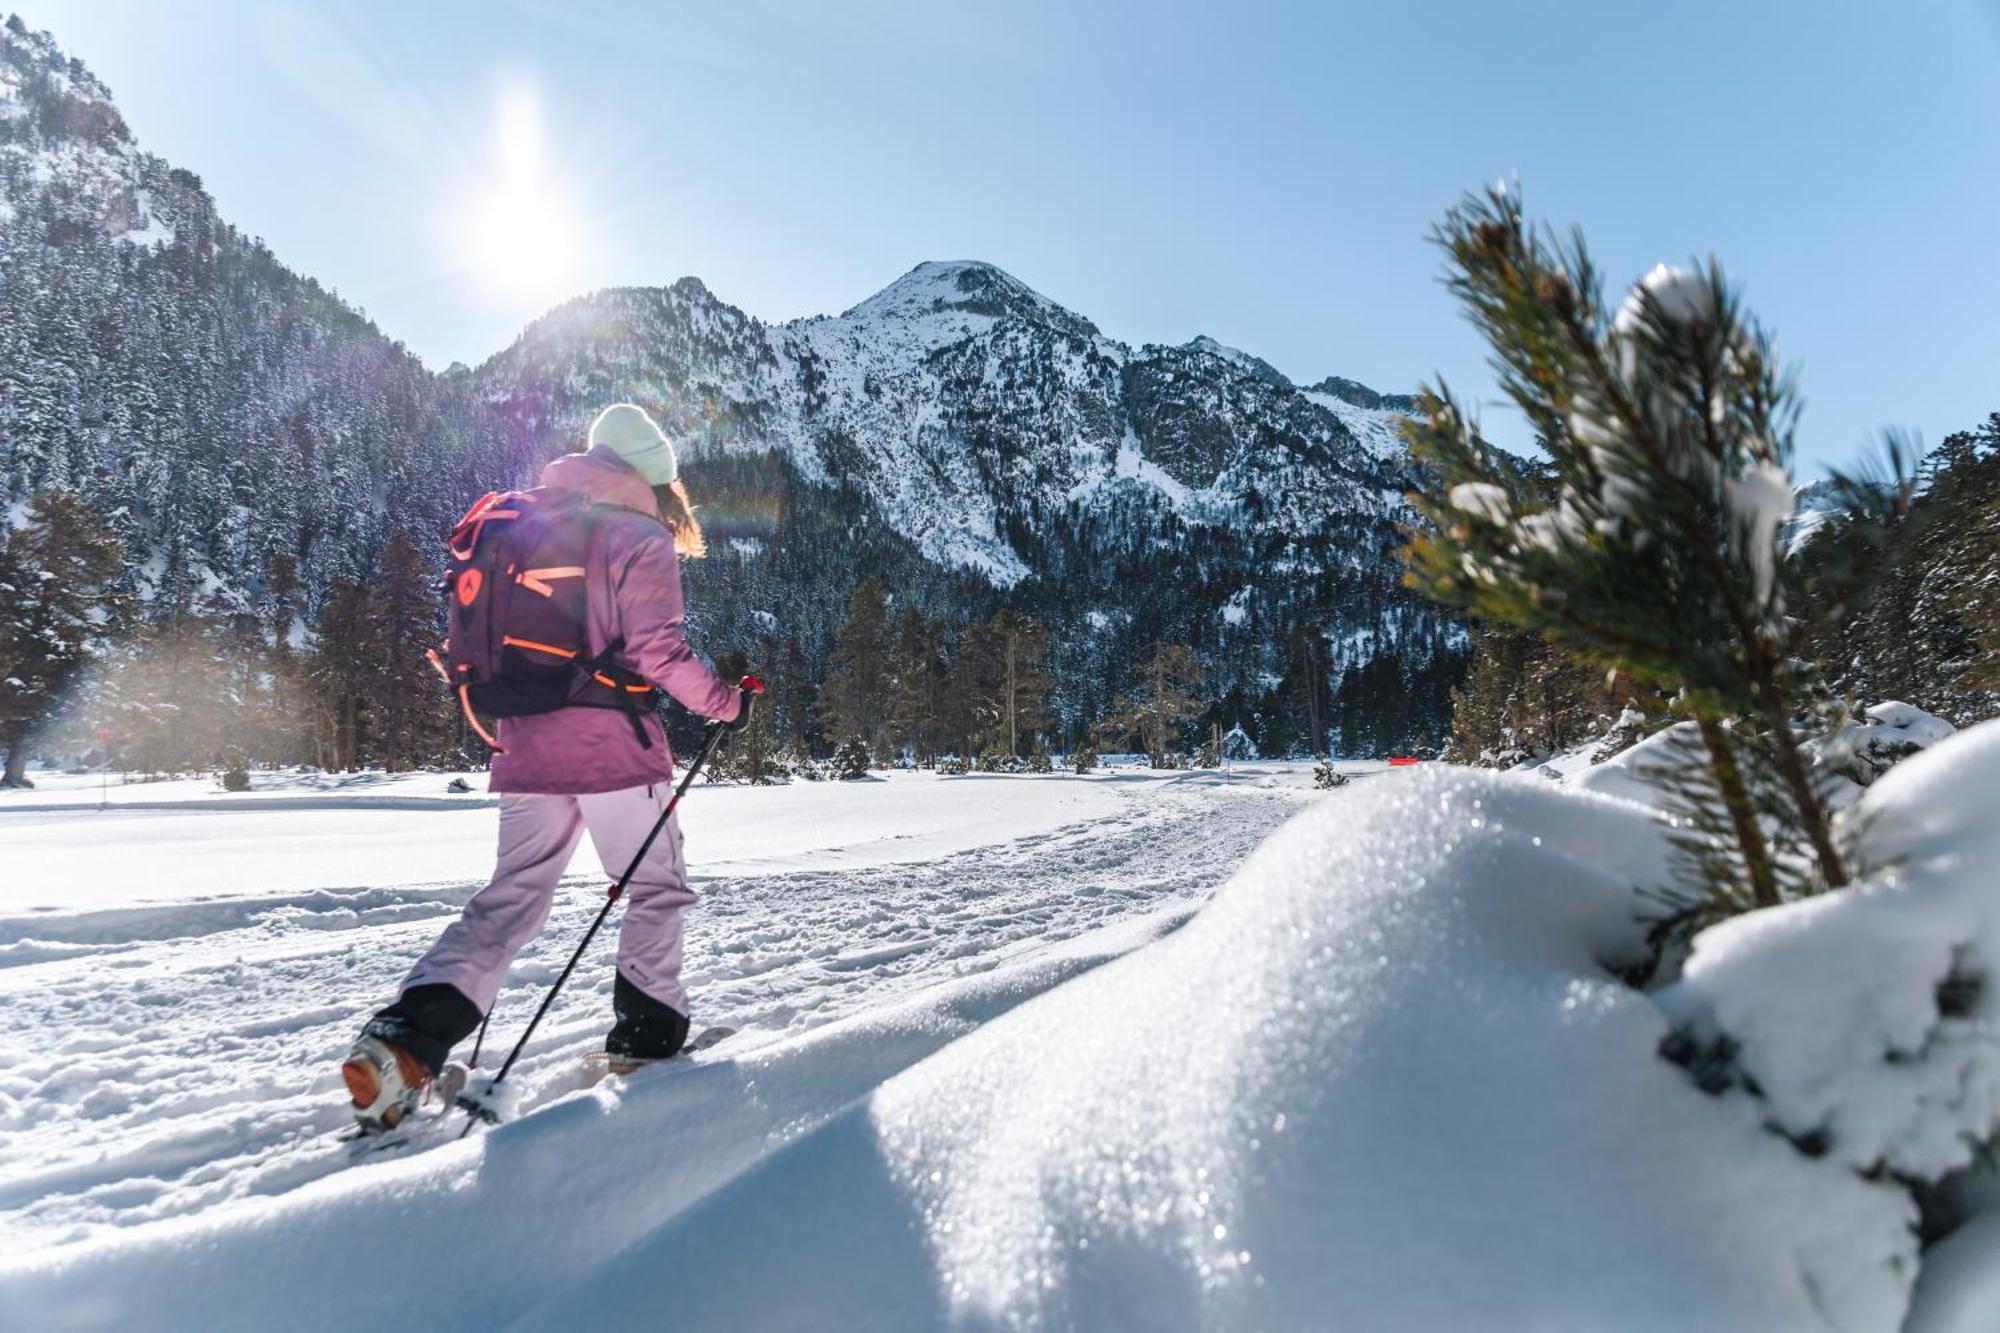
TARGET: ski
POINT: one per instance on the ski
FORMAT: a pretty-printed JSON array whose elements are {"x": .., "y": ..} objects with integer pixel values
[{"x": 602, "y": 1064}]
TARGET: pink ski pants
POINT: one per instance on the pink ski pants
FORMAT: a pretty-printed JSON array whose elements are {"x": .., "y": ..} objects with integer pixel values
[{"x": 538, "y": 834}]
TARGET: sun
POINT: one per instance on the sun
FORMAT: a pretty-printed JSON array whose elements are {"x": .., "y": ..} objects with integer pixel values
[{"x": 521, "y": 236}]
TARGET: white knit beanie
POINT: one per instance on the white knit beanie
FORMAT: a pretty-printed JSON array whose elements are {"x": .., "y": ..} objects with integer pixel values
[{"x": 626, "y": 430}]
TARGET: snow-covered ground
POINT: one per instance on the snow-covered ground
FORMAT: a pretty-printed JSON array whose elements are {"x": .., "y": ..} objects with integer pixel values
[
  {"x": 187, "y": 839},
  {"x": 180, "y": 973},
  {"x": 1393, "y": 1074}
]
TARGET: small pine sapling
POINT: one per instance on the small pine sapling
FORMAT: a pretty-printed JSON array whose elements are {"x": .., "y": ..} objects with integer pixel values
[{"x": 1668, "y": 430}]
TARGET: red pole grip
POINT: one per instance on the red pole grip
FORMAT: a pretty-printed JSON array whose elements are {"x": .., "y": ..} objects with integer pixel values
[{"x": 752, "y": 684}]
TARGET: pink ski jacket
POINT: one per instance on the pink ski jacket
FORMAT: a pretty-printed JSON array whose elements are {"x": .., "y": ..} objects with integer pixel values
[{"x": 635, "y": 595}]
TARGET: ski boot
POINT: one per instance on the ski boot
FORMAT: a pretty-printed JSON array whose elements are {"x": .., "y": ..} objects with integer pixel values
[{"x": 385, "y": 1082}]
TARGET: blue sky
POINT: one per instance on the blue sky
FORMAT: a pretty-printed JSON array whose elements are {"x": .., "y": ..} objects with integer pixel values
[{"x": 1262, "y": 173}]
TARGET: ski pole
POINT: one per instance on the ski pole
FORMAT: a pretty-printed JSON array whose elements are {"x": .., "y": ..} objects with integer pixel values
[{"x": 708, "y": 745}]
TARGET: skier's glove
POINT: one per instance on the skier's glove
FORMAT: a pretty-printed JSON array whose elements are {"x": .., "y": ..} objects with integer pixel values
[{"x": 747, "y": 691}]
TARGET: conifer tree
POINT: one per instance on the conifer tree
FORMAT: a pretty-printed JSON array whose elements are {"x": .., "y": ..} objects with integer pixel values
[
  {"x": 855, "y": 700},
  {"x": 1022, "y": 687},
  {"x": 1523, "y": 699},
  {"x": 972, "y": 701},
  {"x": 59, "y": 600},
  {"x": 1310, "y": 667},
  {"x": 341, "y": 675},
  {"x": 401, "y": 623},
  {"x": 751, "y": 748},
  {"x": 1901, "y": 575},
  {"x": 1160, "y": 702},
  {"x": 1668, "y": 430},
  {"x": 918, "y": 669},
  {"x": 177, "y": 702}
]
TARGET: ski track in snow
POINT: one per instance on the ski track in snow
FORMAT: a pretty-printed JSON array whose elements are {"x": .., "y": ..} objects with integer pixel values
[{"x": 157, "y": 1062}]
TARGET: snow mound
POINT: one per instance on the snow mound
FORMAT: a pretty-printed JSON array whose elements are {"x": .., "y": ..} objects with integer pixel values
[
  {"x": 1854, "y": 755},
  {"x": 1385, "y": 1072},
  {"x": 1633, "y": 774},
  {"x": 1862, "y": 1024}
]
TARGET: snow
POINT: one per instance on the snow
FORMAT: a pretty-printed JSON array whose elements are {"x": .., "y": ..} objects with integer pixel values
[
  {"x": 1959, "y": 1288},
  {"x": 1633, "y": 774},
  {"x": 1384, "y": 1071},
  {"x": 823, "y": 901},
  {"x": 188, "y": 841},
  {"x": 1253, "y": 366},
  {"x": 147, "y": 230},
  {"x": 1908, "y": 723},
  {"x": 1236, "y": 610},
  {"x": 1760, "y": 503},
  {"x": 1834, "y": 1007},
  {"x": 1481, "y": 500},
  {"x": 1806, "y": 524},
  {"x": 1679, "y": 295},
  {"x": 949, "y": 287},
  {"x": 1034, "y": 1070},
  {"x": 1379, "y": 430},
  {"x": 1132, "y": 463}
]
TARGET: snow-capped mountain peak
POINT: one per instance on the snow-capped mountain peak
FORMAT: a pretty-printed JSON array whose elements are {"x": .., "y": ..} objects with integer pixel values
[{"x": 969, "y": 287}]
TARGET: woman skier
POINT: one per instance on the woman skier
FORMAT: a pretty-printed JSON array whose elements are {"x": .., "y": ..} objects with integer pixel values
[{"x": 561, "y": 773}]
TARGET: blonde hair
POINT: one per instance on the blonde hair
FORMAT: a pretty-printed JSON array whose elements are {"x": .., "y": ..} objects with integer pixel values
[{"x": 677, "y": 511}]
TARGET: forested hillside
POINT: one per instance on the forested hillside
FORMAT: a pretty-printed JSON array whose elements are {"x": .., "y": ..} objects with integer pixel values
[{"x": 267, "y": 475}]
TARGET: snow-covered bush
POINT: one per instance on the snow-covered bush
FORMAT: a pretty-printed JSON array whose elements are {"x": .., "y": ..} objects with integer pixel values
[
  {"x": 852, "y": 760},
  {"x": 1326, "y": 776},
  {"x": 1626, "y": 730},
  {"x": 953, "y": 765},
  {"x": 1863, "y": 750},
  {"x": 997, "y": 758},
  {"x": 1040, "y": 761},
  {"x": 1864, "y": 1026},
  {"x": 1083, "y": 759}
]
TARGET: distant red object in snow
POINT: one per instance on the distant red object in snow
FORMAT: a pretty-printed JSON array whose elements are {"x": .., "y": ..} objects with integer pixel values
[{"x": 1402, "y": 760}]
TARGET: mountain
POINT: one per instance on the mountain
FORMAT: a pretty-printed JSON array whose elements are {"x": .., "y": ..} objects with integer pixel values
[
  {"x": 212, "y": 405},
  {"x": 974, "y": 441},
  {"x": 958, "y": 434}
]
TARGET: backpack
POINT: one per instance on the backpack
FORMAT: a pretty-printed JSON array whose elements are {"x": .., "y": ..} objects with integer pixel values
[{"x": 518, "y": 614}]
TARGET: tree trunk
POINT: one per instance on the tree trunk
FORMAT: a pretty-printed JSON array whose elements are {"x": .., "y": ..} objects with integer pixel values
[
  {"x": 1318, "y": 742},
  {"x": 1013, "y": 743},
  {"x": 1811, "y": 813},
  {"x": 17, "y": 766},
  {"x": 1742, "y": 813}
]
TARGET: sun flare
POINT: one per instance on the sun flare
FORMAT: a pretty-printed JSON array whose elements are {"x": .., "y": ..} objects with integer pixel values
[{"x": 521, "y": 236}]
